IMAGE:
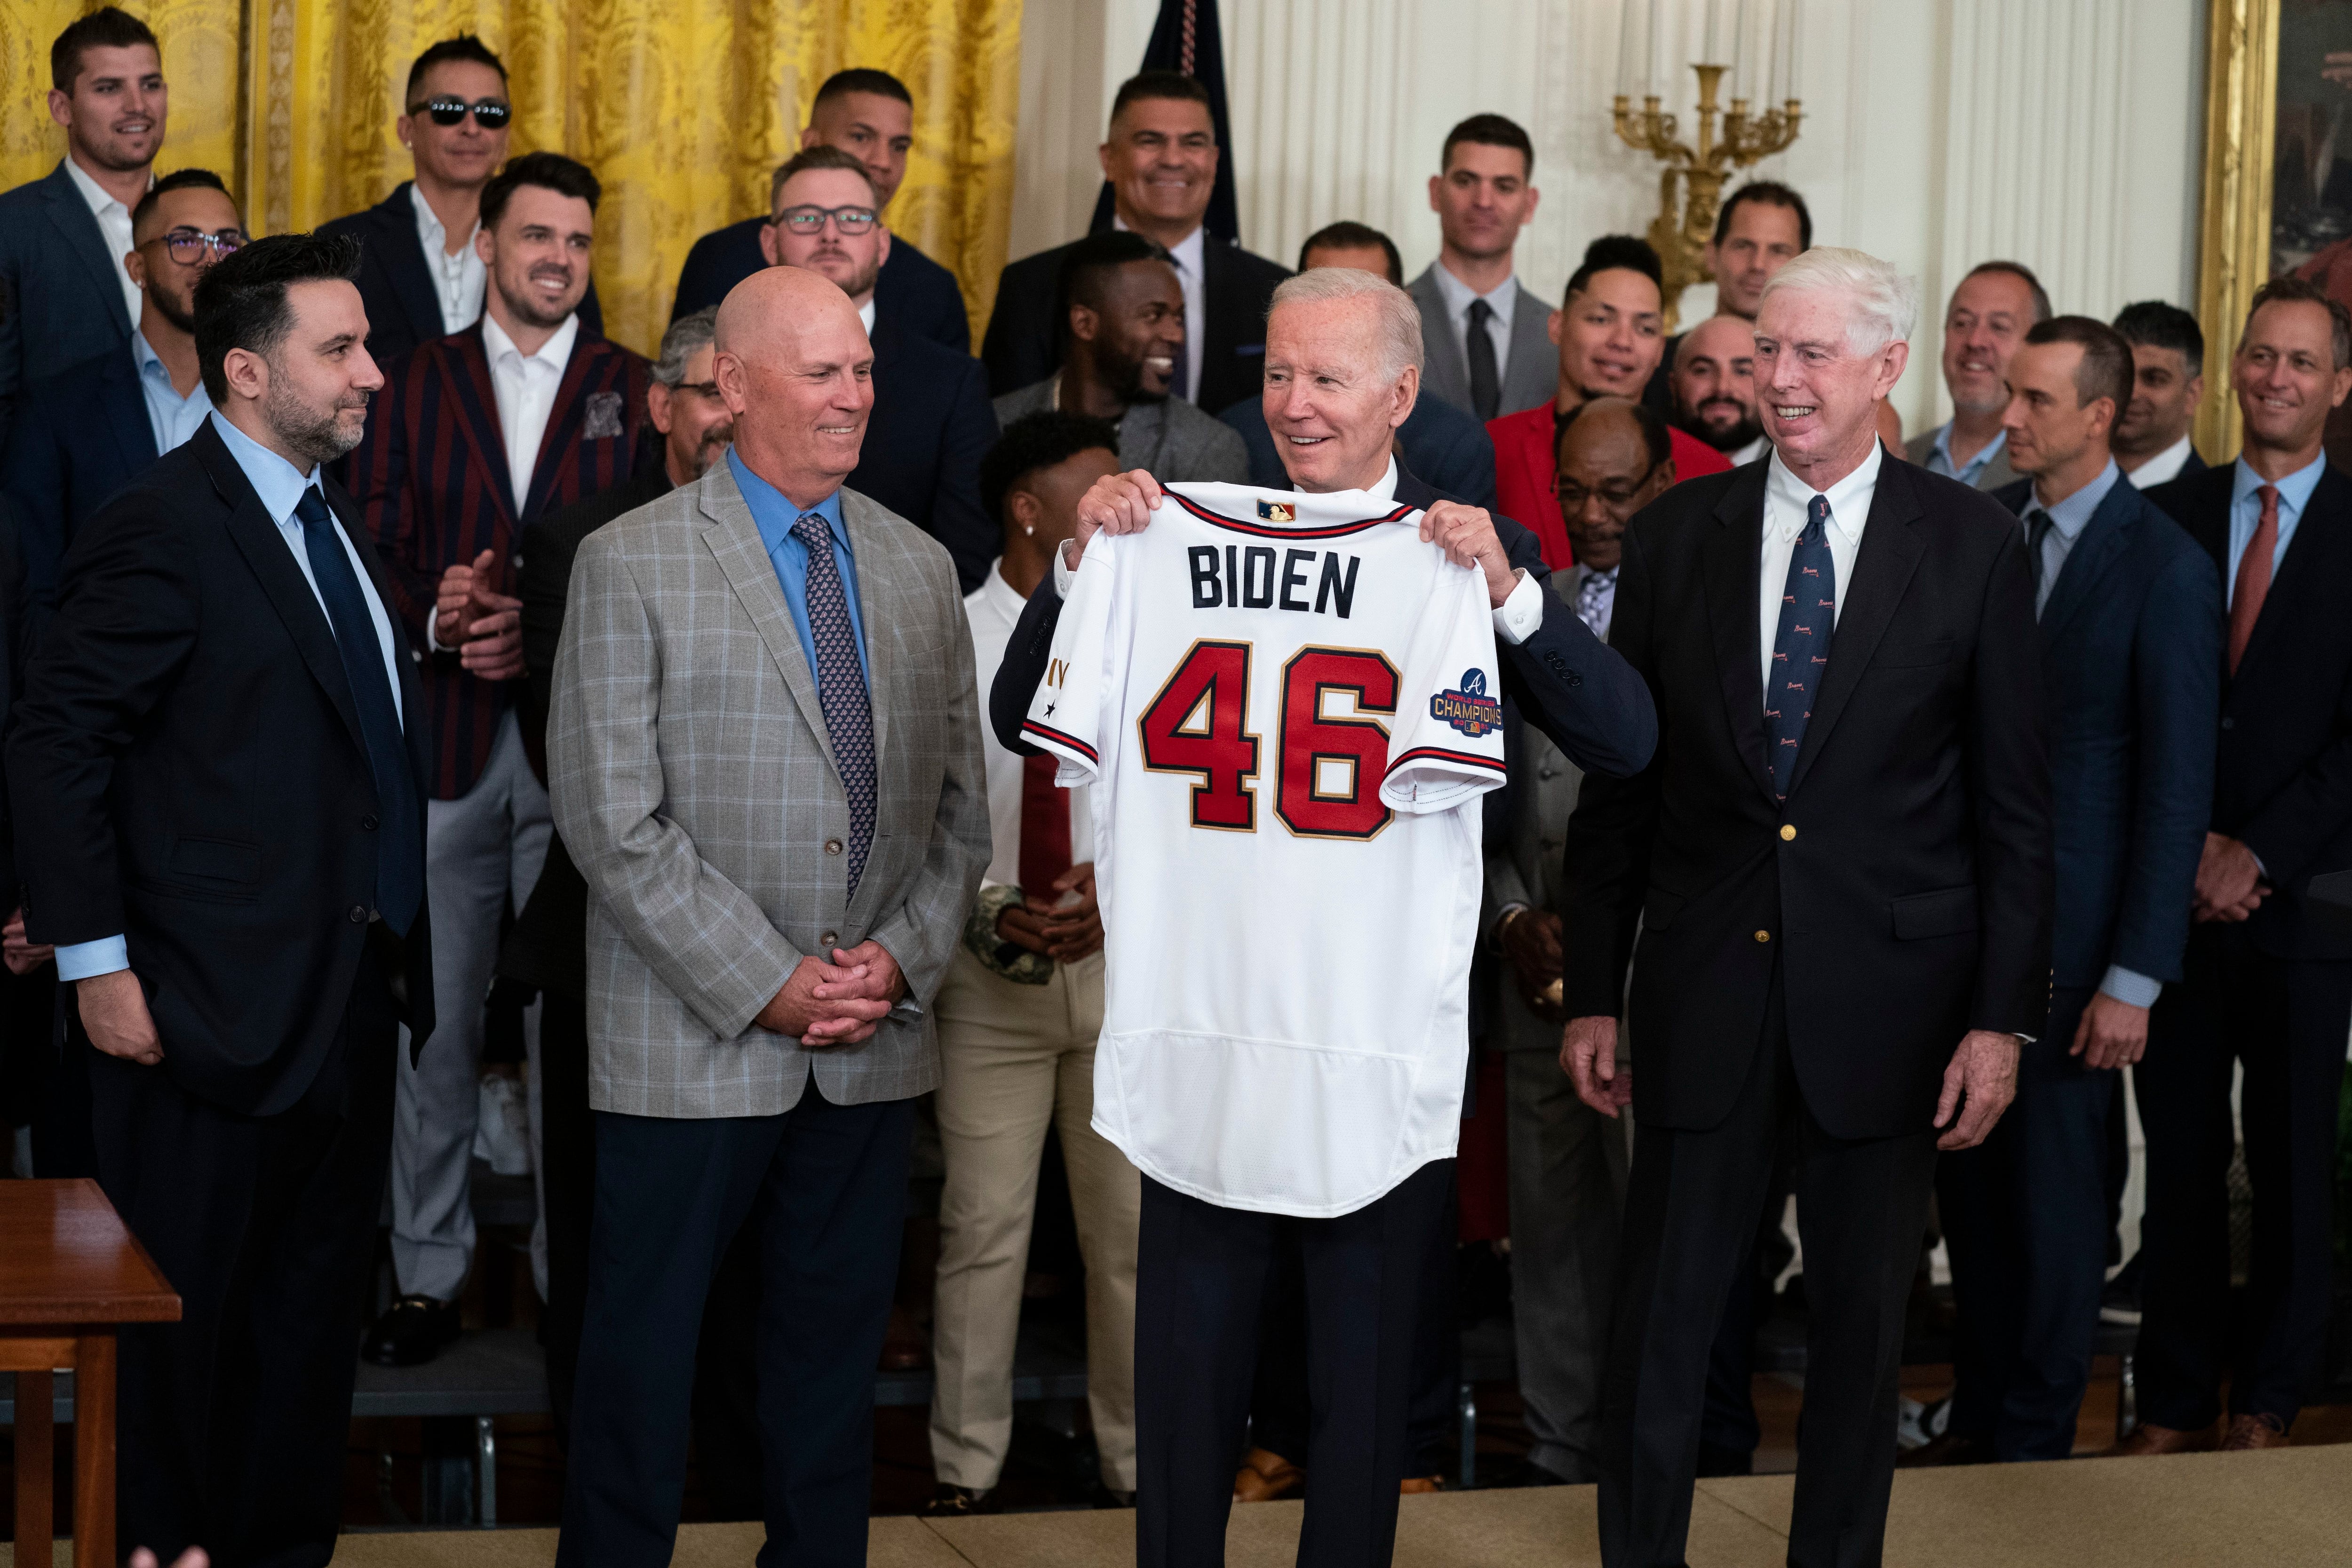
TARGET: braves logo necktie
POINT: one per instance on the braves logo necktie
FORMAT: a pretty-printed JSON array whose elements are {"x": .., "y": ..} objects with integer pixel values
[{"x": 1801, "y": 651}]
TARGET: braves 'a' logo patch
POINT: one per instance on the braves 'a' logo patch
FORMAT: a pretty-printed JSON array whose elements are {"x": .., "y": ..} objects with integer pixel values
[{"x": 1468, "y": 710}]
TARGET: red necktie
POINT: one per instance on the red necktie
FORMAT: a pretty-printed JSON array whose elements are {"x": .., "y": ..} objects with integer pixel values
[
  {"x": 1045, "y": 828},
  {"x": 2254, "y": 576}
]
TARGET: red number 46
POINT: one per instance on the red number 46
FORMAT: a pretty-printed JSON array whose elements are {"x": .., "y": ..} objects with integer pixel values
[{"x": 1328, "y": 771}]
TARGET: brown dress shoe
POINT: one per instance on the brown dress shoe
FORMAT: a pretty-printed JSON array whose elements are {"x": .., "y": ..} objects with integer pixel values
[
  {"x": 2149, "y": 1438},
  {"x": 1951, "y": 1448},
  {"x": 1265, "y": 1475},
  {"x": 1411, "y": 1484},
  {"x": 2251, "y": 1432},
  {"x": 905, "y": 1346}
]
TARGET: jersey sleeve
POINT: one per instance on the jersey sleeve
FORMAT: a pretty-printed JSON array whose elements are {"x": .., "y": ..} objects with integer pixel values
[
  {"x": 1447, "y": 744},
  {"x": 1065, "y": 715}
]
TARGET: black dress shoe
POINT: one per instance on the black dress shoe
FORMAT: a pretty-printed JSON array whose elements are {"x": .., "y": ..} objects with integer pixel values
[
  {"x": 1951, "y": 1448},
  {"x": 1513, "y": 1474},
  {"x": 412, "y": 1332},
  {"x": 1715, "y": 1461},
  {"x": 959, "y": 1502}
]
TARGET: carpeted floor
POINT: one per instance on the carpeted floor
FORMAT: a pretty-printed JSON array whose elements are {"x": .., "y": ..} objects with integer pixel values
[{"x": 2283, "y": 1509}]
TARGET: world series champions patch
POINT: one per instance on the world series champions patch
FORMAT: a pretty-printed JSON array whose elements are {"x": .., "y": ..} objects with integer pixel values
[{"x": 1468, "y": 710}]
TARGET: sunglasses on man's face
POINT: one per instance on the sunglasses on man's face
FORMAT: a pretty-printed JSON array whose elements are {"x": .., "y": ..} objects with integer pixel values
[{"x": 489, "y": 113}]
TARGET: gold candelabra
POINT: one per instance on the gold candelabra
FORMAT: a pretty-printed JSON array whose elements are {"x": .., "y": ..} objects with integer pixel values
[{"x": 1690, "y": 187}]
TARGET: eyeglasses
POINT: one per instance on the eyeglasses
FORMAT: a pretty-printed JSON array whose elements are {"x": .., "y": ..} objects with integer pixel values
[
  {"x": 1573, "y": 496},
  {"x": 706, "y": 390},
  {"x": 188, "y": 246},
  {"x": 489, "y": 114},
  {"x": 807, "y": 221}
]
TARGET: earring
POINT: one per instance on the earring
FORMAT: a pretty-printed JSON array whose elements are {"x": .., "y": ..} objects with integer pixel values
[{"x": 1029, "y": 528}]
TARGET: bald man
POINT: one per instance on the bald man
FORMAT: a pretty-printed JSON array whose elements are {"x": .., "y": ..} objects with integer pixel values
[
  {"x": 778, "y": 803},
  {"x": 1714, "y": 382}
]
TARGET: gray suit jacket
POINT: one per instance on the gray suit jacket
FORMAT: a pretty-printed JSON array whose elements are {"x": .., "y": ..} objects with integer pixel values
[
  {"x": 1530, "y": 373},
  {"x": 693, "y": 785},
  {"x": 60, "y": 291},
  {"x": 1996, "y": 473},
  {"x": 1171, "y": 440},
  {"x": 1525, "y": 868}
]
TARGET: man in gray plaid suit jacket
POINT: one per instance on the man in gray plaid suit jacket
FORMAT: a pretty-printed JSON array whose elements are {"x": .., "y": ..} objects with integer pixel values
[{"x": 765, "y": 754}]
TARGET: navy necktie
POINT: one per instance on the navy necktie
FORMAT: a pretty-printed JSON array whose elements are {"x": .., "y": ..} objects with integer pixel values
[
  {"x": 840, "y": 686},
  {"x": 400, "y": 828},
  {"x": 1801, "y": 651},
  {"x": 1478, "y": 346},
  {"x": 2038, "y": 524}
]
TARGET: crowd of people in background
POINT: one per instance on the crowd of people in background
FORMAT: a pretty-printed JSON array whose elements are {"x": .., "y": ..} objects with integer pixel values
[{"x": 404, "y": 448}]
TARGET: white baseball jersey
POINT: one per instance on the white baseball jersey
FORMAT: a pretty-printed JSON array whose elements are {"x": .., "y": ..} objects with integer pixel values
[{"x": 1286, "y": 707}]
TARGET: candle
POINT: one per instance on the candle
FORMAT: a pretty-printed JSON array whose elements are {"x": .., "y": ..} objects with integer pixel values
[
  {"x": 1624, "y": 83},
  {"x": 1652, "y": 35},
  {"x": 1747, "y": 78},
  {"x": 1787, "y": 67},
  {"x": 1713, "y": 55}
]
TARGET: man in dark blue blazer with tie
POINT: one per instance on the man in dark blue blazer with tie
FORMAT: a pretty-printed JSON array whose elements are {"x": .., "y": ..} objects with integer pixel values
[
  {"x": 870, "y": 115},
  {"x": 2151, "y": 440},
  {"x": 64, "y": 293},
  {"x": 2130, "y": 614},
  {"x": 84, "y": 433},
  {"x": 420, "y": 276}
]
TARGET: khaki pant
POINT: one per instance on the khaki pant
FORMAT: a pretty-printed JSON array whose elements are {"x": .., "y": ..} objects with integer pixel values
[{"x": 1015, "y": 1058}]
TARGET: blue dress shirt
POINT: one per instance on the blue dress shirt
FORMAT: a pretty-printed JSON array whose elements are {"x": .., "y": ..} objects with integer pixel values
[
  {"x": 1939, "y": 462},
  {"x": 172, "y": 417},
  {"x": 2068, "y": 519},
  {"x": 281, "y": 486},
  {"x": 2246, "y": 513},
  {"x": 775, "y": 517}
]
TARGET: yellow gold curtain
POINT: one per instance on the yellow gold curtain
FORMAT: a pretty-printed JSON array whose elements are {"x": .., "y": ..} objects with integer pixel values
[{"x": 682, "y": 108}]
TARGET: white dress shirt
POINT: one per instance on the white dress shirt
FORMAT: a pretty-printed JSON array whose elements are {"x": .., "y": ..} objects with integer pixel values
[
  {"x": 1785, "y": 499},
  {"x": 460, "y": 280},
  {"x": 992, "y": 610},
  {"x": 525, "y": 386},
  {"x": 171, "y": 417},
  {"x": 866, "y": 315},
  {"x": 2162, "y": 469},
  {"x": 114, "y": 223},
  {"x": 281, "y": 486},
  {"x": 1459, "y": 296},
  {"x": 1750, "y": 452},
  {"x": 1515, "y": 618},
  {"x": 1192, "y": 260}
]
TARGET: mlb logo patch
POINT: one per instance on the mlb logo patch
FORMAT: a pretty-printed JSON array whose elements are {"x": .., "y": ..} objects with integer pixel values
[
  {"x": 1276, "y": 511},
  {"x": 1468, "y": 708}
]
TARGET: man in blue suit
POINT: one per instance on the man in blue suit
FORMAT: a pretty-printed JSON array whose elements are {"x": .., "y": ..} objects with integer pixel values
[
  {"x": 870, "y": 115},
  {"x": 84, "y": 433},
  {"x": 64, "y": 293},
  {"x": 2130, "y": 613},
  {"x": 1442, "y": 444}
]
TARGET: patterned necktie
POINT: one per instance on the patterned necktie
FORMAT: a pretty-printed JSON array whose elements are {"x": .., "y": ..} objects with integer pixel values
[
  {"x": 840, "y": 687},
  {"x": 1045, "y": 826},
  {"x": 1486, "y": 381},
  {"x": 1594, "y": 600},
  {"x": 2038, "y": 524},
  {"x": 2254, "y": 576},
  {"x": 1801, "y": 649},
  {"x": 400, "y": 828}
]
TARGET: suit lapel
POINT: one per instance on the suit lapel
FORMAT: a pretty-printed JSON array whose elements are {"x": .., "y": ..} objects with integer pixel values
[
  {"x": 257, "y": 539},
  {"x": 563, "y": 417},
  {"x": 405, "y": 263},
  {"x": 733, "y": 539},
  {"x": 74, "y": 219},
  {"x": 1732, "y": 559},
  {"x": 478, "y": 410},
  {"x": 2104, "y": 539},
  {"x": 1448, "y": 375},
  {"x": 127, "y": 423},
  {"x": 2303, "y": 569},
  {"x": 1891, "y": 547}
]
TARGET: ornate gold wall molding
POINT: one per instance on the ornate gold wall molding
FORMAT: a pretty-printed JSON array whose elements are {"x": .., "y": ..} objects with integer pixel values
[{"x": 2234, "y": 254}]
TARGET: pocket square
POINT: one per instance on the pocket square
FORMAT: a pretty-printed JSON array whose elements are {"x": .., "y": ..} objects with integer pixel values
[{"x": 603, "y": 417}]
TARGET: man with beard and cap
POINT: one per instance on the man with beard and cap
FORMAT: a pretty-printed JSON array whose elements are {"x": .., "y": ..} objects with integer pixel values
[
  {"x": 1714, "y": 380},
  {"x": 65, "y": 292},
  {"x": 1610, "y": 330},
  {"x": 84, "y": 433},
  {"x": 1125, "y": 307},
  {"x": 548, "y": 950},
  {"x": 932, "y": 423},
  {"x": 450, "y": 479},
  {"x": 1991, "y": 311}
]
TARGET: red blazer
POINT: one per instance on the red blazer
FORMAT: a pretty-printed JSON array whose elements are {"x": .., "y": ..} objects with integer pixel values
[
  {"x": 432, "y": 482},
  {"x": 1525, "y": 463}
]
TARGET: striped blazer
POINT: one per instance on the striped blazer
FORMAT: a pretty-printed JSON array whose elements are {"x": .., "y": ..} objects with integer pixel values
[{"x": 432, "y": 482}]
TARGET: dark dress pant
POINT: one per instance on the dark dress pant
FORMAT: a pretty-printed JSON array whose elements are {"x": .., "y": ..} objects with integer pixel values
[
  {"x": 567, "y": 1137},
  {"x": 232, "y": 1422},
  {"x": 1202, "y": 1277},
  {"x": 1690, "y": 1216},
  {"x": 2025, "y": 1222},
  {"x": 2285, "y": 1021},
  {"x": 829, "y": 1183}
]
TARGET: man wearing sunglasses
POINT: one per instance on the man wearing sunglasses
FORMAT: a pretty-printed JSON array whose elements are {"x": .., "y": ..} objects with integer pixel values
[
  {"x": 931, "y": 422},
  {"x": 419, "y": 275},
  {"x": 64, "y": 295},
  {"x": 83, "y": 434},
  {"x": 870, "y": 115}
]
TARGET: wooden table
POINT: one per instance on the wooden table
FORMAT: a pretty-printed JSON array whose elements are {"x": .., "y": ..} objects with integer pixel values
[{"x": 70, "y": 1273}]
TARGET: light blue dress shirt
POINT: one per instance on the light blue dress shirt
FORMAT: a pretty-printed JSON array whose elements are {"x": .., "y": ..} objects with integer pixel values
[
  {"x": 172, "y": 417},
  {"x": 2246, "y": 513},
  {"x": 281, "y": 486},
  {"x": 1939, "y": 462},
  {"x": 775, "y": 517},
  {"x": 2068, "y": 519}
]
